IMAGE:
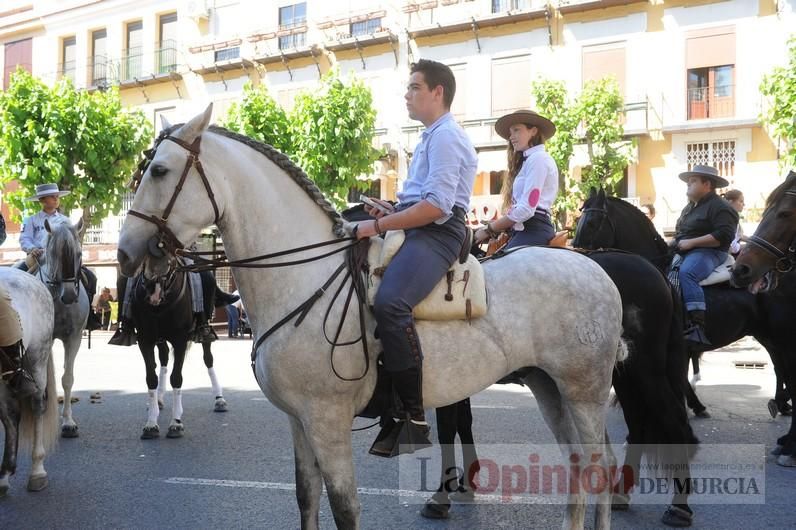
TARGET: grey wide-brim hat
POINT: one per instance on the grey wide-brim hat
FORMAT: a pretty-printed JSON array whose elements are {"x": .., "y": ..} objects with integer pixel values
[
  {"x": 45, "y": 190},
  {"x": 708, "y": 172},
  {"x": 527, "y": 117}
]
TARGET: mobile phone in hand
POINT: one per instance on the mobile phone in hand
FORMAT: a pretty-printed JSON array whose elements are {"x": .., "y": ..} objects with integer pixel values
[{"x": 373, "y": 204}]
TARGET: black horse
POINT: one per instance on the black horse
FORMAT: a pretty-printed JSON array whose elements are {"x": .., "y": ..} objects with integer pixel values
[
  {"x": 649, "y": 385},
  {"x": 162, "y": 312},
  {"x": 610, "y": 222}
]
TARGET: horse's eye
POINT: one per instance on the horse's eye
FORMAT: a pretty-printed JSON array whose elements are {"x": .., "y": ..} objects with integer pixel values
[
  {"x": 157, "y": 170},
  {"x": 784, "y": 214}
]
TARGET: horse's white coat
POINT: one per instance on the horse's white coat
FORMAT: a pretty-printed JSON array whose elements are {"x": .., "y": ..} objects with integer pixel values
[
  {"x": 553, "y": 309},
  {"x": 39, "y": 421}
]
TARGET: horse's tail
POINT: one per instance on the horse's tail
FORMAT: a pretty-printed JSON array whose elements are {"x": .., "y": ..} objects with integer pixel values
[
  {"x": 621, "y": 351},
  {"x": 49, "y": 418}
]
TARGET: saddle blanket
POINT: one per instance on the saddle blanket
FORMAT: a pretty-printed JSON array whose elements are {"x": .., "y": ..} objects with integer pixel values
[{"x": 460, "y": 295}]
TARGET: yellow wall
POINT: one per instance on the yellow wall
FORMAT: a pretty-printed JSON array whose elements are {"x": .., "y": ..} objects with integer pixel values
[
  {"x": 767, "y": 7},
  {"x": 651, "y": 155},
  {"x": 763, "y": 148}
]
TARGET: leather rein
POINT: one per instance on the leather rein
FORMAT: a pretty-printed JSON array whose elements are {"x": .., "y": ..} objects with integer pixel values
[
  {"x": 785, "y": 260},
  {"x": 355, "y": 261}
]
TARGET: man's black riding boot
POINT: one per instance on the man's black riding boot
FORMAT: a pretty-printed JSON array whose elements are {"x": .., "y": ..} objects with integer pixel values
[
  {"x": 16, "y": 376},
  {"x": 410, "y": 432},
  {"x": 125, "y": 334},
  {"x": 224, "y": 299},
  {"x": 203, "y": 333},
  {"x": 695, "y": 335},
  {"x": 93, "y": 322}
]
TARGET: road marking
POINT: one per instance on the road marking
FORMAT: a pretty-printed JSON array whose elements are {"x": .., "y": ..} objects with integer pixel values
[
  {"x": 384, "y": 492},
  {"x": 506, "y": 407}
]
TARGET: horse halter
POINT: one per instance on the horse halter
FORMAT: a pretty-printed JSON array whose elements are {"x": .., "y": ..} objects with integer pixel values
[
  {"x": 604, "y": 216},
  {"x": 166, "y": 240},
  {"x": 785, "y": 260}
]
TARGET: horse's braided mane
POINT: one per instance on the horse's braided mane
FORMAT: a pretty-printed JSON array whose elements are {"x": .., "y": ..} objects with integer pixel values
[
  {"x": 295, "y": 172},
  {"x": 780, "y": 190}
]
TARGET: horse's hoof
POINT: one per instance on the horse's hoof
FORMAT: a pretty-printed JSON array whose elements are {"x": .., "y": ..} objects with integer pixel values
[
  {"x": 786, "y": 461},
  {"x": 221, "y": 405},
  {"x": 437, "y": 507},
  {"x": 674, "y": 516},
  {"x": 703, "y": 414},
  {"x": 69, "y": 431},
  {"x": 463, "y": 496},
  {"x": 176, "y": 431},
  {"x": 620, "y": 502},
  {"x": 3, "y": 491},
  {"x": 150, "y": 433},
  {"x": 773, "y": 409},
  {"x": 777, "y": 450},
  {"x": 37, "y": 483}
]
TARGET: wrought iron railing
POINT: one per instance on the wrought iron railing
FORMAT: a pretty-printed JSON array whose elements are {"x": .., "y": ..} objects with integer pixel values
[{"x": 711, "y": 102}]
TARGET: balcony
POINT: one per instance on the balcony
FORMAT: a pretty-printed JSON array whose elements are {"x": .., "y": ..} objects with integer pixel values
[
  {"x": 427, "y": 19},
  {"x": 135, "y": 67},
  {"x": 67, "y": 70},
  {"x": 711, "y": 102}
]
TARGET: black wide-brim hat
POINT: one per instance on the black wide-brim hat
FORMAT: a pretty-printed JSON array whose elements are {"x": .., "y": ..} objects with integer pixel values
[
  {"x": 528, "y": 117},
  {"x": 706, "y": 172}
]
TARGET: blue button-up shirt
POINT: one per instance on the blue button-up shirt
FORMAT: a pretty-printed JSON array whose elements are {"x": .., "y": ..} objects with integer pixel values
[
  {"x": 33, "y": 233},
  {"x": 443, "y": 168}
]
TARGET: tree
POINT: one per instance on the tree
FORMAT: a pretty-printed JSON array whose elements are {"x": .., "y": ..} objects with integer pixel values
[
  {"x": 260, "y": 117},
  {"x": 85, "y": 142},
  {"x": 780, "y": 115},
  {"x": 329, "y": 132},
  {"x": 594, "y": 118}
]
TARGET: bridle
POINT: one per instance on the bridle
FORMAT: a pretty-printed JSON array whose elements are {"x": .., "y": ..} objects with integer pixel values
[
  {"x": 53, "y": 281},
  {"x": 785, "y": 260},
  {"x": 166, "y": 240},
  {"x": 603, "y": 211}
]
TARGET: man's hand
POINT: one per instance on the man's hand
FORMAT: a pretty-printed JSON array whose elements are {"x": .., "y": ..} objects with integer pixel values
[
  {"x": 481, "y": 235},
  {"x": 375, "y": 212},
  {"x": 685, "y": 245},
  {"x": 37, "y": 252},
  {"x": 367, "y": 229}
]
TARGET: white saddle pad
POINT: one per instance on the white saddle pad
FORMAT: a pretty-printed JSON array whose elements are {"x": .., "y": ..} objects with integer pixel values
[{"x": 721, "y": 273}]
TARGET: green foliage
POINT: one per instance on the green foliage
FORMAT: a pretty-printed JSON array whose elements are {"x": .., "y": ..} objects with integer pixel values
[
  {"x": 780, "y": 115},
  {"x": 593, "y": 119},
  {"x": 260, "y": 117},
  {"x": 85, "y": 142},
  {"x": 329, "y": 132}
]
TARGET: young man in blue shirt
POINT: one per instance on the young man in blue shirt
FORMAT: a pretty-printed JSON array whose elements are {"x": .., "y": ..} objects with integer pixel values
[{"x": 431, "y": 209}]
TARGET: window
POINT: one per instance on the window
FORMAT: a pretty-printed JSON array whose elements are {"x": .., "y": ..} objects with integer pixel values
[
  {"x": 499, "y": 6},
  {"x": 496, "y": 179},
  {"x": 719, "y": 154},
  {"x": 366, "y": 27},
  {"x": 710, "y": 92},
  {"x": 131, "y": 62},
  {"x": 459, "y": 107},
  {"x": 99, "y": 50},
  {"x": 227, "y": 54},
  {"x": 511, "y": 84},
  {"x": 290, "y": 17},
  {"x": 166, "y": 55},
  {"x": 68, "y": 50},
  {"x": 17, "y": 53}
]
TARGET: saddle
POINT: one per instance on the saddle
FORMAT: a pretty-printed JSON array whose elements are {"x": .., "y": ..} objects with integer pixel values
[{"x": 460, "y": 295}]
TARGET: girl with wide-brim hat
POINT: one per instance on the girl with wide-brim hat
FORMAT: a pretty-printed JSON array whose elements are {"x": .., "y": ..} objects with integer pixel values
[{"x": 531, "y": 185}]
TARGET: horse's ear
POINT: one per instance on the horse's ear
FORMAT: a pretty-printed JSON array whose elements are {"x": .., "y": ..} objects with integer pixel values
[
  {"x": 592, "y": 192},
  {"x": 197, "y": 125},
  {"x": 47, "y": 226},
  {"x": 164, "y": 122},
  {"x": 601, "y": 195}
]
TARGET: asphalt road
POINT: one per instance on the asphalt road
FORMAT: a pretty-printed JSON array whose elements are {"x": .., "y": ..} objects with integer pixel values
[{"x": 235, "y": 469}]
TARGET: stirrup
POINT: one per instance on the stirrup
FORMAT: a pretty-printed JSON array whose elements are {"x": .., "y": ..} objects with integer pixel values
[
  {"x": 123, "y": 337},
  {"x": 695, "y": 335},
  {"x": 22, "y": 384},
  {"x": 400, "y": 438}
]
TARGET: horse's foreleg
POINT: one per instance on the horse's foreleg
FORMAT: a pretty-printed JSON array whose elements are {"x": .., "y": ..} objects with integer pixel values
[
  {"x": 330, "y": 438},
  {"x": 176, "y": 427},
  {"x": 308, "y": 477},
  {"x": 9, "y": 415},
  {"x": 163, "y": 358},
  {"x": 71, "y": 346},
  {"x": 220, "y": 404},
  {"x": 151, "y": 429}
]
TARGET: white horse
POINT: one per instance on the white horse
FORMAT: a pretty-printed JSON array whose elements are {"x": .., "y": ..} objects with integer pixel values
[
  {"x": 39, "y": 412},
  {"x": 551, "y": 309},
  {"x": 60, "y": 270}
]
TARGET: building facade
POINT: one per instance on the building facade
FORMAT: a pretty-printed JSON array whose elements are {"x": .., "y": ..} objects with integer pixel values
[{"x": 689, "y": 71}]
